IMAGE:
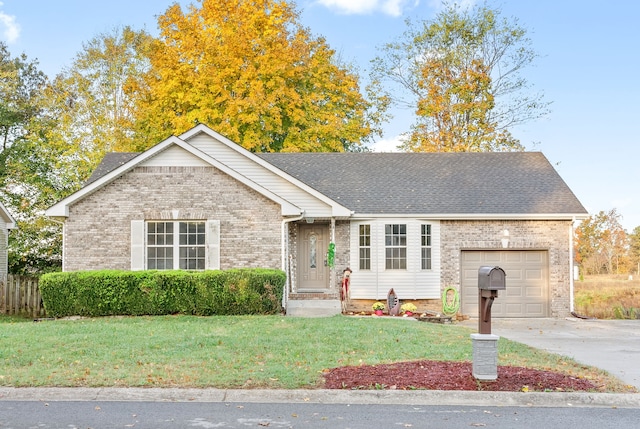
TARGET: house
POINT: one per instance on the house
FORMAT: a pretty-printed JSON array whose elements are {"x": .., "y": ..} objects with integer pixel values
[
  {"x": 415, "y": 222},
  {"x": 7, "y": 223}
]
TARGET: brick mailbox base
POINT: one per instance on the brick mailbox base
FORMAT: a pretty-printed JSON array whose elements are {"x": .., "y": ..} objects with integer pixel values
[{"x": 485, "y": 356}]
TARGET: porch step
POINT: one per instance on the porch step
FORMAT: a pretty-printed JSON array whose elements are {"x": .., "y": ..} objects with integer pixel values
[
  {"x": 314, "y": 296},
  {"x": 314, "y": 307}
]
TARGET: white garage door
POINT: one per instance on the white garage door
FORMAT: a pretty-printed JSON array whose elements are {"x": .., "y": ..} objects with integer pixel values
[{"x": 527, "y": 281}]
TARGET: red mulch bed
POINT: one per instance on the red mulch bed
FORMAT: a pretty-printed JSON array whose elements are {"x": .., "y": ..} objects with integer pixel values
[{"x": 435, "y": 375}]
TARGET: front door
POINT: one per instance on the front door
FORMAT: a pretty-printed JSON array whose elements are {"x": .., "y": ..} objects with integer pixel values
[{"x": 313, "y": 272}]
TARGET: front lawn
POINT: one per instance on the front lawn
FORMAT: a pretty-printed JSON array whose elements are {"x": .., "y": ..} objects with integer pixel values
[{"x": 236, "y": 351}]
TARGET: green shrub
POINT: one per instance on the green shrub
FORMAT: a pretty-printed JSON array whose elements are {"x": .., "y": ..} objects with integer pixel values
[{"x": 109, "y": 292}]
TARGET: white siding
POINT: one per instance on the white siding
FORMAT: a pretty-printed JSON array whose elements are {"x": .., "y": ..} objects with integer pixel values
[
  {"x": 239, "y": 162},
  {"x": 174, "y": 156},
  {"x": 412, "y": 283}
]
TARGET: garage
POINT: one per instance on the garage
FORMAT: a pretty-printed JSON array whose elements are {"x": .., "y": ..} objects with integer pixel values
[{"x": 527, "y": 280}]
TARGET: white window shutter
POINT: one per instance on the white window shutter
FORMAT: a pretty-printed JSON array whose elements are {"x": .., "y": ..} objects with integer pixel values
[
  {"x": 213, "y": 244},
  {"x": 137, "y": 245}
]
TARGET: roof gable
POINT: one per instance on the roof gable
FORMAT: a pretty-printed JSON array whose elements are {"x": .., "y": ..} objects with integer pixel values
[
  {"x": 255, "y": 168},
  {"x": 122, "y": 164}
]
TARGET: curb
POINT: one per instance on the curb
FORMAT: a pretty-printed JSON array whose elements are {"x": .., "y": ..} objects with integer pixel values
[{"x": 325, "y": 396}]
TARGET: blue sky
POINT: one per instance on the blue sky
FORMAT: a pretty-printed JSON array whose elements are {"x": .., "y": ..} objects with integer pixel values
[{"x": 590, "y": 57}]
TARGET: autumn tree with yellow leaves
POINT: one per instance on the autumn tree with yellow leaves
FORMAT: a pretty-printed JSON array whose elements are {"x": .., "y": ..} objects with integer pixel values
[
  {"x": 460, "y": 74},
  {"x": 250, "y": 71}
]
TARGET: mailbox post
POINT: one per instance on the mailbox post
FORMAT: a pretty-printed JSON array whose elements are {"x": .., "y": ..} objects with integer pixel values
[
  {"x": 490, "y": 281},
  {"x": 485, "y": 344}
]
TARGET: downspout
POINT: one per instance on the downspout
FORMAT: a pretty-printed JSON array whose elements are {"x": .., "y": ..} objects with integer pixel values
[
  {"x": 286, "y": 262},
  {"x": 571, "y": 268}
]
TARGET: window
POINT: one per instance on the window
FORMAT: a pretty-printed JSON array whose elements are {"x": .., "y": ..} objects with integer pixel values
[
  {"x": 395, "y": 241},
  {"x": 192, "y": 246},
  {"x": 160, "y": 245},
  {"x": 425, "y": 244},
  {"x": 176, "y": 245},
  {"x": 365, "y": 247}
]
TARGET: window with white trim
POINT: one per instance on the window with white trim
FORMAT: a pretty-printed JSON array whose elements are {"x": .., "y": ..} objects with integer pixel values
[
  {"x": 425, "y": 246},
  {"x": 395, "y": 241},
  {"x": 365, "y": 247},
  {"x": 176, "y": 245}
]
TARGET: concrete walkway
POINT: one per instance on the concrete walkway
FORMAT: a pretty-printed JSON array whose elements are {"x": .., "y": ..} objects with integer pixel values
[{"x": 612, "y": 345}]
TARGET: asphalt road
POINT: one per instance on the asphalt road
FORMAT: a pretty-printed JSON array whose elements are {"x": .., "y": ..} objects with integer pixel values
[{"x": 160, "y": 415}]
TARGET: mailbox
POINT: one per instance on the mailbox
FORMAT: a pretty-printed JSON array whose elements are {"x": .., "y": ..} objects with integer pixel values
[
  {"x": 490, "y": 281},
  {"x": 491, "y": 278}
]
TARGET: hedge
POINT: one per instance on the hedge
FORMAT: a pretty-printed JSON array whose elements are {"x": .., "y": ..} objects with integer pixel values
[{"x": 136, "y": 293}]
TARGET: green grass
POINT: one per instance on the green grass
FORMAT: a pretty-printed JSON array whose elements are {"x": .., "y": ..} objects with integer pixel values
[{"x": 235, "y": 351}]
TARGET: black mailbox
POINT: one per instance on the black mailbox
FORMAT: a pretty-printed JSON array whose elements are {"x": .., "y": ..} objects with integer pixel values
[{"x": 491, "y": 278}]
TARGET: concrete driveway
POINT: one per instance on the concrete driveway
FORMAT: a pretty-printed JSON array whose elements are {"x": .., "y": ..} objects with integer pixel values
[{"x": 612, "y": 345}]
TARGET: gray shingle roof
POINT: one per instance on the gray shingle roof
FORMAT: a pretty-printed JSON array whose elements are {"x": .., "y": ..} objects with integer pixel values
[
  {"x": 434, "y": 183},
  {"x": 110, "y": 162},
  {"x": 423, "y": 183}
]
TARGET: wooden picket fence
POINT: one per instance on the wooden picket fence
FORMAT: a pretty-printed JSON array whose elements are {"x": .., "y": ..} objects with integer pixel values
[{"x": 20, "y": 295}]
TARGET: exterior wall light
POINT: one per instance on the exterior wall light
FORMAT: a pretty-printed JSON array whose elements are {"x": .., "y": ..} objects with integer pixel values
[{"x": 505, "y": 239}]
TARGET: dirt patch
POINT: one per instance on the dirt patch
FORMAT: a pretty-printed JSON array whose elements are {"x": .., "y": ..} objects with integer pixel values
[{"x": 435, "y": 375}]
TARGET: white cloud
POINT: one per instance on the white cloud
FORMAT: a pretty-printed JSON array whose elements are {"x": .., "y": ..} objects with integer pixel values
[
  {"x": 387, "y": 145},
  {"x": 360, "y": 7},
  {"x": 10, "y": 28}
]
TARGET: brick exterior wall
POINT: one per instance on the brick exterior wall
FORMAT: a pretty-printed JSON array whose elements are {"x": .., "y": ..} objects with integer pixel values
[
  {"x": 343, "y": 234},
  {"x": 552, "y": 236},
  {"x": 97, "y": 233}
]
